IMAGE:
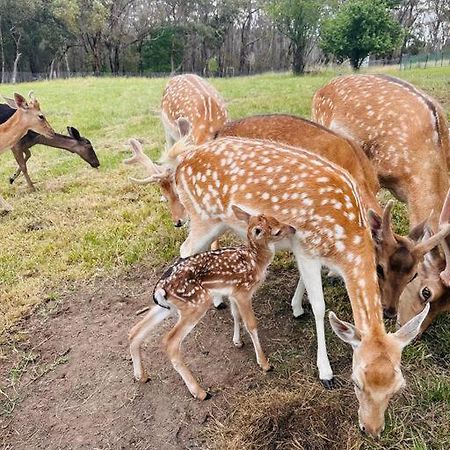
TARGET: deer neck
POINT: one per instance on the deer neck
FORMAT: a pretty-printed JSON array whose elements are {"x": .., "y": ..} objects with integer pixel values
[
  {"x": 12, "y": 130},
  {"x": 262, "y": 253},
  {"x": 362, "y": 286}
]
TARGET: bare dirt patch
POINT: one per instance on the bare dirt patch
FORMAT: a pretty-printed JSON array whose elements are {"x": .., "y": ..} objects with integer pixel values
[{"x": 67, "y": 375}]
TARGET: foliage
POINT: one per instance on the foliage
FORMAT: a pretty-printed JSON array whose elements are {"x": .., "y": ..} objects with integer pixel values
[
  {"x": 360, "y": 28},
  {"x": 299, "y": 21}
]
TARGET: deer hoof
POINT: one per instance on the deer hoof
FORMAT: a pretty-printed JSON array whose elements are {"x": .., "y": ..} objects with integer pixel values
[
  {"x": 222, "y": 305},
  {"x": 268, "y": 368},
  {"x": 328, "y": 384},
  {"x": 238, "y": 344},
  {"x": 142, "y": 377},
  {"x": 204, "y": 396}
]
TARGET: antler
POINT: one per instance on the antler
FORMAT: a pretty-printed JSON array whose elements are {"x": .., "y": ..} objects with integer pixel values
[
  {"x": 445, "y": 219},
  {"x": 139, "y": 157}
]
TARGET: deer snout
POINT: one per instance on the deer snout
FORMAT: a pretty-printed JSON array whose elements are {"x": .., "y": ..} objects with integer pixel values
[
  {"x": 390, "y": 312},
  {"x": 179, "y": 223},
  {"x": 375, "y": 432}
]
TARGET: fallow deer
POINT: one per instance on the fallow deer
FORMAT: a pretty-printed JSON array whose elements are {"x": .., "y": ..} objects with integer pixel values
[
  {"x": 28, "y": 117},
  {"x": 320, "y": 200},
  {"x": 188, "y": 286},
  {"x": 303, "y": 133},
  {"x": 405, "y": 134},
  {"x": 432, "y": 285},
  {"x": 190, "y": 101}
]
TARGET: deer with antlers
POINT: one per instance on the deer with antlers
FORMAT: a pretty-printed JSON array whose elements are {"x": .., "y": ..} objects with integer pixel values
[
  {"x": 411, "y": 157},
  {"x": 432, "y": 285},
  {"x": 189, "y": 285},
  {"x": 303, "y": 133},
  {"x": 322, "y": 203},
  {"x": 27, "y": 117},
  {"x": 74, "y": 143},
  {"x": 190, "y": 105}
]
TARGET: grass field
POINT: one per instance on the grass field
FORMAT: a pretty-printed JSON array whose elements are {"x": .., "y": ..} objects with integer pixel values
[{"x": 84, "y": 223}]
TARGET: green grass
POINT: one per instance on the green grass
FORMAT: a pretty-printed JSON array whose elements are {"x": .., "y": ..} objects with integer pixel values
[{"x": 83, "y": 223}]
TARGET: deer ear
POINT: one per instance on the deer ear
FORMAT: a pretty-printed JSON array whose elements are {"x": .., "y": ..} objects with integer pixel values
[
  {"x": 417, "y": 233},
  {"x": 20, "y": 101},
  {"x": 240, "y": 213},
  {"x": 411, "y": 328},
  {"x": 10, "y": 102},
  {"x": 381, "y": 226},
  {"x": 74, "y": 133},
  {"x": 184, "y": 127},
  {"x": 344, "y": 330}
]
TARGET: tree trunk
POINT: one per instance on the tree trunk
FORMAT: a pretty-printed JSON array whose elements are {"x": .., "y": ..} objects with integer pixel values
[
  {"x": 16, "y": 62},
  {"x": 2, "y": 53},
  {"x": 298, "y": 61}
]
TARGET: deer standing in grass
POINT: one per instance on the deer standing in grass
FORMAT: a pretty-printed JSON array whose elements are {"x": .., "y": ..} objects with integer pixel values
[
  {"x": 322, "y": 203},
  {"x": 303, "y": 133},
  {"x": 27, "y": 117},
  {"x": 190, "y": 101},
  {"x": 405, "y": 134},
  {"x": 74, "y": 143},
  {"x": 188, "y": 286}
]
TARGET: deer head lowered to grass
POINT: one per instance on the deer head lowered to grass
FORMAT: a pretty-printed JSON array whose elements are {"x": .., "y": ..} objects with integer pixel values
[
  {"x": 432, "y": 285},
  {"x": 189, "y": 285},
  {"x": 322, "y": 202},
  {"x": 74, "y": 143},
  {"x": 411, "y": 157},
  {"x": 397, "y": 259}
]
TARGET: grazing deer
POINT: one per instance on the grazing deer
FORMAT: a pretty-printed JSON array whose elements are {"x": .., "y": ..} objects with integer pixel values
[
  {"x": 191, "y": 105},
  {"x": 27, "y": 117},
  {"x": 299, "y": 132},
  {"x": 411, "y": 157},
  {"x": 432, "y": 286},
  {"x": 188, "y": 286},
  {"x": 322, "y": 203},
  {"x": 74, "y": 143}
]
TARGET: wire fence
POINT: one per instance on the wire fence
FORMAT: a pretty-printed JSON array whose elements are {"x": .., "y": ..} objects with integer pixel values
[{"x": 404, "y": 62}]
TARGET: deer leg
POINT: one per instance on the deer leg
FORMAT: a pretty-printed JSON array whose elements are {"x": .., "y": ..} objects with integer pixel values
[
  {"x": 244, "y": 304},
  {"x": 311, "y": 274},
  {"x": 22, "y": 156},
  {"x": 172, "y": 343},
  {"x": 4, "y": 205},
  {"x": 237, "y": 341},
  {"x": 296, "y": 302},
  {"x": 200, "y": 237},
  {"x": 137, "y": 335}
]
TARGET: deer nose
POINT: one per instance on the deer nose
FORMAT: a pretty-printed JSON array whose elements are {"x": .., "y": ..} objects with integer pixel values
[
  {"x": 389, "y": 313},
  {"x": 178, "y": 223},
  {"x": 374, "y": 432}
]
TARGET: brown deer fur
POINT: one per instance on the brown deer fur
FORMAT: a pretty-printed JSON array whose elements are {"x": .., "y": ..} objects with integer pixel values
[
  {"x": 404, "y": 133},
  {"x": 189, "y": 100},
  {"x": 321, "y": 201},
  {"x": 188, "y": 286}
]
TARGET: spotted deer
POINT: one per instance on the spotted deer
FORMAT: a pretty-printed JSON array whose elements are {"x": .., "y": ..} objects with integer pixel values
[
  {"x": 321, "y": 201},
  {"x": 188, "y": 286},
  {"x": 27, "y": 117},
  {"x": 303, "y": 133},
  {"x": 190, "y": 105},
  {"x": 432, "y": 286},
  {"x": 405, "y": 134}
]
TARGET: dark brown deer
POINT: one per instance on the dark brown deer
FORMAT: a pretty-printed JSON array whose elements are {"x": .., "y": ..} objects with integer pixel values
[
  {"x": 404, "y": 132},
  {"x": 189, "y": 285},
  {"x": 432, "y": 285}
]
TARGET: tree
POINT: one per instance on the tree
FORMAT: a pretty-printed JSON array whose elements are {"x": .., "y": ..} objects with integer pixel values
[
  {"x": 360, "y": 28},
  {"x": 298, "y": 20}
]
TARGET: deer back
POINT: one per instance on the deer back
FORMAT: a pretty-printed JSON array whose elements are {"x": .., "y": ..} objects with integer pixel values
[
  {"x": 192, "y": 98},
  {"x": 299, "y": 132},
  {"x": 402, "y": 130}
]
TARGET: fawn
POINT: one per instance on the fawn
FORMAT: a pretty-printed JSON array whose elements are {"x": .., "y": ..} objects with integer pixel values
[{"x": 187, "y": 288}]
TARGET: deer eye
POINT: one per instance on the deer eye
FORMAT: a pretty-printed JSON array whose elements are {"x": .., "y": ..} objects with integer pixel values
[
  {"x": 425, "y": 293},
  {"x": 277, "y": 232},
  {"x": 41, "y": 116},
  {"x": 257, "y": 232},
  {"x": 380, "y": 271}
]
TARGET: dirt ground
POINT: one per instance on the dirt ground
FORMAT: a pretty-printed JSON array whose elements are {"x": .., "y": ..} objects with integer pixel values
[{"x": 66, "y": 373}]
